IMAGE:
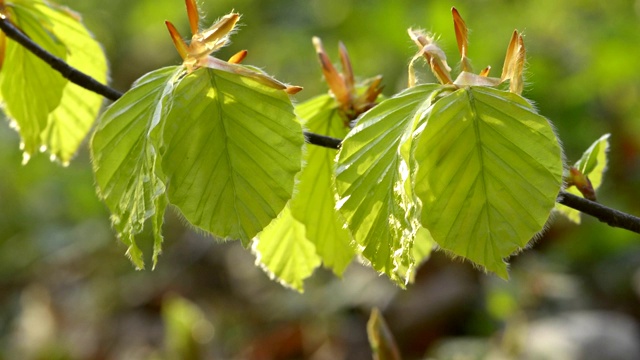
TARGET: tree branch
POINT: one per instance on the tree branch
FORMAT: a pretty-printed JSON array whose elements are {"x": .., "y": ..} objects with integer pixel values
[
  {"x": 322, "y": 140},
  {"x": 83, "y": 80},
  {"x": 74, "y": 75},
  {"x": 605, "y": 214}
]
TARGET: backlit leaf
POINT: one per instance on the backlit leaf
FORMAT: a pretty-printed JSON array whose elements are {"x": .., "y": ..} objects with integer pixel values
[
  {"x": 24, "y": 75},
  {"x": 70, "y": 122},
  {"x": 422, "y": 246},
  {"x": 371, "y": 177},
  {"x": 489, "y": 171},
  {"x": 232, "y": 149},
  {"x": 314, "y": 201},
  {"x": 593, "y": 164},
  {"x": 284, "y": 252},
  {"x": 50, "y": 112},
  {"x": 125, "y": 151},
  {"x": 309, "y": 229}
]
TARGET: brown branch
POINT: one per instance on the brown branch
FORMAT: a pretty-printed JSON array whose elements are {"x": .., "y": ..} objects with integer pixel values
[
  {"x": 83, "y": 80},
  {"x": 322, "y": 140},
  {"x": 605, "y": 214}
]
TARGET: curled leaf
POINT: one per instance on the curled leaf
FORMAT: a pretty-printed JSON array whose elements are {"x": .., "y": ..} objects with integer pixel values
[
  {"x": 514, "y": 63},
  {"x": 582, "y": 183},
  {"x": 462, "y": 38},
  {"x": 587, "y": 173},
  {"x": 435, "y": 57}
]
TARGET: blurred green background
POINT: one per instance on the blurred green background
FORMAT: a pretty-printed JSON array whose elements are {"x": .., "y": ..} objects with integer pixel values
[{"x": 68, "y": 292}]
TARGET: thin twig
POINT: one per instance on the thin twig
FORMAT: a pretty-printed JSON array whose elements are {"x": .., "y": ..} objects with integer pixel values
[
  {"x": 603, "y": 213},
  {"x": 613, "y": 217},
  {"x": 322, "y": 140},
  {"x": 74, "y": 75},
  {"x": 81, "y": 79}
]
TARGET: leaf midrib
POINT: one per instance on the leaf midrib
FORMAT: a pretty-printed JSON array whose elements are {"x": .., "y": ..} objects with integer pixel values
[
  {"x": 479, "y": 148},
  {"x": 219, "y": 96}
]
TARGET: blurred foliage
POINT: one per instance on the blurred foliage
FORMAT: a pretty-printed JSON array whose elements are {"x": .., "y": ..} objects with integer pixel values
[{"x": 67, "y": 291}]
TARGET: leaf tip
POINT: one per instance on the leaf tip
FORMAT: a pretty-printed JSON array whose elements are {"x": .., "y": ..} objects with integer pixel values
[
  {"x": 501, "y": 270},
  {"x": 462, "y": 38},
  {"x": 135, "y": 255}
]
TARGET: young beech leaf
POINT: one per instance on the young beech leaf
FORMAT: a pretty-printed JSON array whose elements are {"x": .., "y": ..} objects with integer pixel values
[
  {"x": 232, "y": 149},
  {"x": 314, "y": 202},
  {"x": 284, "y": 252},
  {"x": 370, "y": 181},
  {"x": 309, "y": 230},
  {"x": 70, "y": 122},
  {"x": 422, "y": 246},
  {"x": 59, "y": 117},
  {"x": 217, "y": 139},
  {"x": 489, "y": 169},
  {"x": 23, "y": 75},
  {"x": 125, "y": 150},
  {"x": 592, "y": 164}
]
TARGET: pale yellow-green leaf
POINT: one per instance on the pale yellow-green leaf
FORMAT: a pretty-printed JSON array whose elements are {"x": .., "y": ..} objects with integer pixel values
[
  {"x": 50, "y": 113},
  {"x": 125, "y": 149},
  {"x": 314, "y": 202},
  {"x": 30, "y": 88},
  {"x": 593, "y": 164},
  {"x": 489, "y": 171},
  {"x": 232, "y": 149},
  {"x": 371, "y": 179},
  {"x": 285, "y": 253},
  {"x": 69, "y": 123}
]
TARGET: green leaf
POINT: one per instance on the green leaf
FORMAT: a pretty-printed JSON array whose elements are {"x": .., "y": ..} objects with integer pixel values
[
  {"x": 125, "y": 156},
  {"x": 489, "y": 171},
  {"x": 284, "y": 252},
  {"x": 70, "y": 122},
  {"x": 232, "y": 149},
  {"x": 309, "y": 229},
  {"x": 422, "y": 246},
  {"x": 371, "y": 177},
  {"x": 314, "y": 202},
  {"x": 25, "y": 75},
  {"x": 593, "y": 164},
  {"x": 61, "y": 114}
]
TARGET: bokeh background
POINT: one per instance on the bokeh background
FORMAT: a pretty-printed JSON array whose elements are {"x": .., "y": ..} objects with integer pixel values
[{"x": 68, "y": 292}]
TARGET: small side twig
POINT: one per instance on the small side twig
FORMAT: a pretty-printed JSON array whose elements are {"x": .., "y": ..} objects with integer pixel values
[
  {"x": 603, "y": 213},
  {"x": 613, "y": 217},
  {"x": 322, "y": 140}
]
